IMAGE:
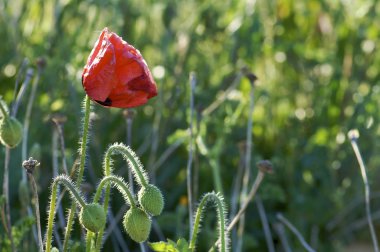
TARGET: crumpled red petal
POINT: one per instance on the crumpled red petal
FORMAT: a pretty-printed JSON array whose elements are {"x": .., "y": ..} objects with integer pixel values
[{"x": 116, "y": 75}]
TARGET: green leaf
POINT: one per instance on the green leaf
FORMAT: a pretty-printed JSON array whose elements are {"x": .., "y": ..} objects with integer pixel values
[
  {"x": 170, "y": 246},
  {"x": 163, "y": 247},
  {"x": 183, "y": 245}
]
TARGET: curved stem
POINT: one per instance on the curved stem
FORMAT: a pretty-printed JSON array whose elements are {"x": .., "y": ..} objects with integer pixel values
[
  {"x": 252, "y": 193},
  {"x": 119, "y": 183},
  {"x": 138, "y": 172},
  {"x": 132, "y": 159},
  {"x": 75, "y": 194},
  {"x": 219, "y": 204},
  {"x": 86, "y": 124}
]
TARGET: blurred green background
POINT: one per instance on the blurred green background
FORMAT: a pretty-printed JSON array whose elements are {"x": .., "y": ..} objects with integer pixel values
[{"x": 318, "y": 68}]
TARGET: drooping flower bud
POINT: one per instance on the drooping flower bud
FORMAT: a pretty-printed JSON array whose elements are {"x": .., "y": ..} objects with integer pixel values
[
  {"x": 151, "y": 200},
  {"x": 54, "y": 249},
  {"x": 137, "y": 224},
  {"x": 92, "y": 217},
  {"x": 10, "y": 132}
]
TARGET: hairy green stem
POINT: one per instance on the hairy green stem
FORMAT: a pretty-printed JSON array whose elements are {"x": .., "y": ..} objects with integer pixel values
[
  {"x": 138, "y": 171},
  {"x": 3, "y": 110},
  {"x": 120, "y": 184},
  {"x": 252, "y": 193},
  {"x": 83, "y": 147},
  {"x": 133, "y": 162},
  {"x": 75, "y": 195},
  {"x": 219, "y": 204}
]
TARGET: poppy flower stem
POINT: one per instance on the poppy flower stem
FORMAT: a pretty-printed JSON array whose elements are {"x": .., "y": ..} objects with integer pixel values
[
  {"x": 122, "y": 186},
  {"x": 133, "y": 162},
  {"x": 83, "y": 148},
  {"x": 137, "y": 171},
  {"x": 77, "y": 199},
  {"x": 3, "y": 110},
  {"x": 218, "y": 201}
]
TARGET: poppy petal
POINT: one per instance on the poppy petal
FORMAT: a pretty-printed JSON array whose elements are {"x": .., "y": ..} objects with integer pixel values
[{"x": 116, "y": 75}]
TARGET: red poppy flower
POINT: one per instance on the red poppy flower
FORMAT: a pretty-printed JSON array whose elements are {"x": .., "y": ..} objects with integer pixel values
[{"x": 116, "y": 75}]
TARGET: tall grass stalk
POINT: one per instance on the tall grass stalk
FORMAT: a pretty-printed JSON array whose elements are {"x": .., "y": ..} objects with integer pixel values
[
  {"x": 280, "y": 230},
  {"x": 295, "y": 231},
  {"x": 190, "y": 158},
  {"x": 247, "y": 164},
  {"x": 265, "y": 223},
  {"x": 37, "y": 210},
  {"x": 353, "y": 136}
]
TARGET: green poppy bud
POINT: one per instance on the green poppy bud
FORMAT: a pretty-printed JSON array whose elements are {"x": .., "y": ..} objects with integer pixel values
[
  {"x": 10, "y": 132},
  {"x": 137, "y": 224},
  {"x": 54, "y": 249},
  {"x": 92, "y": 217},
  {"x": 151, "y": 200}
]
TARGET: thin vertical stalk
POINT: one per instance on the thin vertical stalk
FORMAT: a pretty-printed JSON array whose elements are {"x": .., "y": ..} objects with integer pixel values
[
  {"x": 190, "y": 159},
  {"x": 59, "y": 126},
  {"x": 24, "y": 64},
  {"x": 264, "y": 221},
  {"x": 354, "y": 135},
  {"x": 6, "y": 195},
  {"x": 83, "y": 151},
  {"x": 20, "y": 94},
  {"x": 292, "y": 228},
  {"x": 24, "y": 147},
  {"x": 154, "y": 144},
  {"x": 216, "y": 174},
  {"x": 37, "y": 209},
  {"x": 61, "y": 217},
  {"x": 247, "y": 166},
  {"x": 280, "y": 230},
  {"x": 129, "y": 122},
  {"x": 236, "y": 189},
  {"x": 28, "y": 115}
]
